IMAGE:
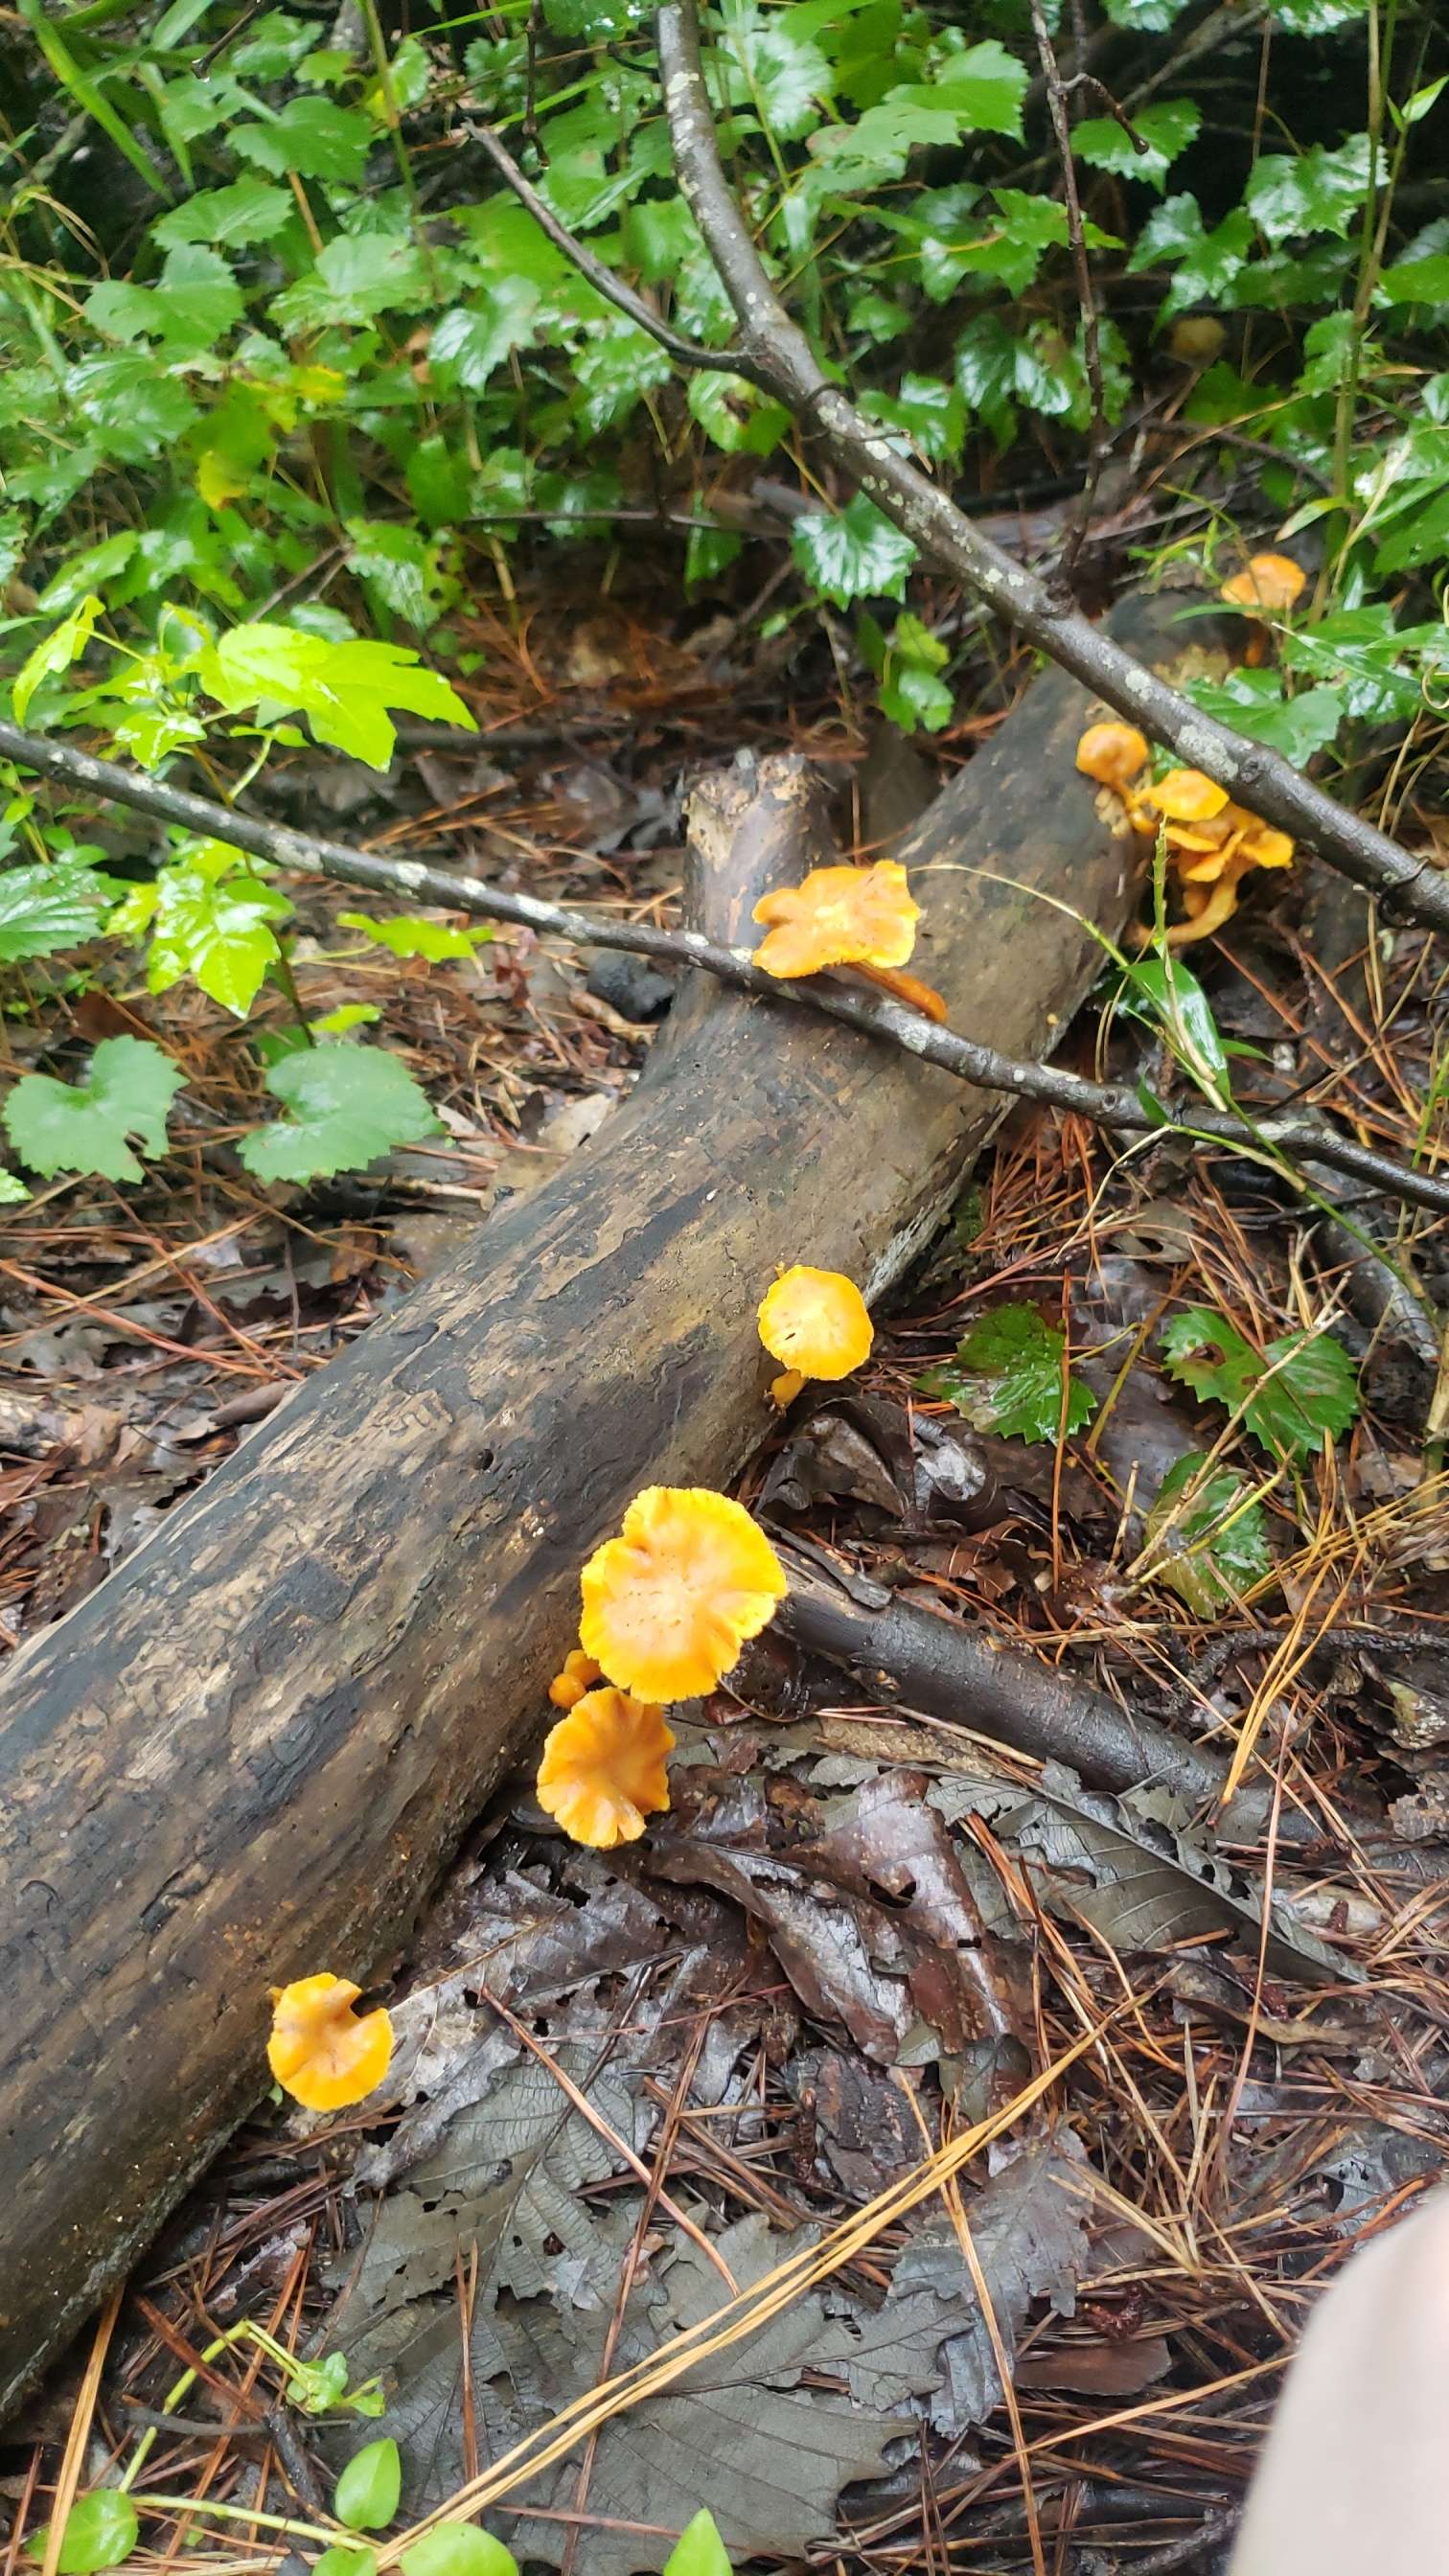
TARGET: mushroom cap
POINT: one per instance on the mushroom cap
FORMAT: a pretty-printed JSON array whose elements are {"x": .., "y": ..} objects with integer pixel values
[
  {"x": 1270, "y": 581},
  {"x": 319, "y": 2051},
  {"x": 816, "y": 1321},
  {"x": 580, "y": 1672},
  {"x": 669, "y": 1603},
  {"x": 602, "y": 1770},
  {"x": 1186, "y": 796},
  {"x": 1266, "y": 847},
  {"x": 838, "y": 917},
  {"x": 1112, "y": 753}
]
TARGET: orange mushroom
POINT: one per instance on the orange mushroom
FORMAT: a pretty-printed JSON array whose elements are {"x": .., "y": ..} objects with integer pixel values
[
  {"x": 1186, "y": 796},
  {"x": 818, "y": 1323},
  {"x": 838, "y": 917},
  {"x": 1271, "y": 582},
  {"x": 319, "y": 2050},
  {"x": 579, "y": 1674},
  {"x": 1113, "y": 754},
  {"x": 603, "y": 1769},
  {"x": 669, "y": 1604}
]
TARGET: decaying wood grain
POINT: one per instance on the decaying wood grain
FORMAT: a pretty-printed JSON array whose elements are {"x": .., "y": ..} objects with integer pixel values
[{"x": 249, "y": 1752}]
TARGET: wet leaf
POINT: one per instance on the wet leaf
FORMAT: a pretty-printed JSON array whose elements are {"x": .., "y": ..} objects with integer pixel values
[
  {"x": 369, "y": 2489},
  {"x": 83, "y": 1127},
  {"x": 1301, "y": 1386},
  {"x": 458, "y": 2549},
  {"x": 101, "y": 2530},
  {"x": 1217, "y": 1549},
  {"x": 346, "y": 1105},
  {"x": 1007, "y": 1377}
]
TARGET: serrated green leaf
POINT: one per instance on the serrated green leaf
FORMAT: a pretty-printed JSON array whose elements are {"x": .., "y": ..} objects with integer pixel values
[
  {"x": 699, "y": 2550},
  {"x": 313, "y": 136},
  {"x": 1253, "y": 703},
  {"x": 56, "y": 653},
  {"x": 931, "y": 414},
  {"x": 343, "y": 689},
  {"x": 101, "y": 2530},
  {"x": 856, "y": 553},
  {"x": 1203, "y": 264},
  {"x": 356, "y": 278},
  {"x": 767, "y": 65},
  {"x": 52, "y": 904},
  {"x": 913, "y": 697},
  {"x": 1217, "y": 1549},
  {"x": 346, "y": 1105},
  {"x": 1167, "y": 127},
  {"x": 471, "y": 342},
  {"x": 12, "y": 1191},
  {"x": 400, "y": 569},
  {"x": 367, "y": 2493},
  {"x": 1300, "y": 1387},
  {"x": 1007, "y": 1377},
  {"x": 738, "y": 417},
  {"x": 83, "y": 1127},
  {"x": 215, "y": 925},
  {"x": 1418, "y": 281},
  {"x": 1316, "y": 191},
  {"x": 615, "y": 371},
  {"x": 458, "y": 2549},
  {"x": 409, "y": 934},
  {"x": 134, "y": 408},
  {"x": 234, "y": 217}
]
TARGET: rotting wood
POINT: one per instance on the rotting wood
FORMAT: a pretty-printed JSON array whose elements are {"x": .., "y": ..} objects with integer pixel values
[{"x": 250, "y": 1751}]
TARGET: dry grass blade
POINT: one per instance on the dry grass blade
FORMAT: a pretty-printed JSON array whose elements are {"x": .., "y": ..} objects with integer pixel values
[
  {"x": 741, "y": 2316},
  {"x": 79, "y": 2434}
]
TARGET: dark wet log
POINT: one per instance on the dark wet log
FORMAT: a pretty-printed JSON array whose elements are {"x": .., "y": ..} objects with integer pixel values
[{"x": 249, "y": 1752}]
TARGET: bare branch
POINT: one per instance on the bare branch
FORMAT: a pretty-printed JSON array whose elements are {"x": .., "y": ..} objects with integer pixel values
[
  {"x": 777, "y": 355},
  {"x": 1097, "y": 437},
  {"x": 687, "y": 353},
  {"x": 1275, "y": 1137}
]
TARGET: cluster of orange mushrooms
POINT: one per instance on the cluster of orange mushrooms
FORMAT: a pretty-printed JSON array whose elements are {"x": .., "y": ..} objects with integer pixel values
[
  {"x": 669, "y": 1604},
  {"x": 1211, "y": 843}
]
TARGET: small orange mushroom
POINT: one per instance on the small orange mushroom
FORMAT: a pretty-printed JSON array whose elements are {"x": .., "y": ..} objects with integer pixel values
[
  {"x": 818, "y": 1323},
  {"x": 1113, "y": 754},
  {"x": 670, "y": 1602},
  {"x": 838, "y": 917},
  {"x": 906, "y": 988},
  {"x": 1271, "y": 582},
  {"x": 603, "y": 1769},
  {"x": 1186, "y": 796},
  {"x": 319, "y": 2050},
  {"x": 580, "y": 1672}
]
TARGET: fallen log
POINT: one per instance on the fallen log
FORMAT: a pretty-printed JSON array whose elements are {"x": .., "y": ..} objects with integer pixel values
[{"x": 250, "y": 1751}]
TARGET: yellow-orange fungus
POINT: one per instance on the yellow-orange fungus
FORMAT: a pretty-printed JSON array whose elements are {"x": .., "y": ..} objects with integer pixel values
[
  {"x": 1186, "y": 796},
  {"x": 906, "y": 988},
  {"x": 785, "y": 1387},
  {"x": 580, "y": 1672},
  {"x": 1112, "y": 754},
  {"x": 603, "y": 1770},
  {"x": 669, "y": 1603},
  {"x": 319, "y": 2051},
  {"x": 816, "y": 1322},
  {"x": 1271, "y": 582},
  {"x": 838, "y": 917}
]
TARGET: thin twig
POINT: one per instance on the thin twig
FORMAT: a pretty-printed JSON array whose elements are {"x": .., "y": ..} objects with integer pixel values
[
  {"x": 1113, "y": 1105},
  {"x": 773, "y": 352},
  {"x": 1097, "y": 435}
]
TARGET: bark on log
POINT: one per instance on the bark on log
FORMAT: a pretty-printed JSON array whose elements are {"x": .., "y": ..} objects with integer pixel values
[{"x": 249, "y": 1752}]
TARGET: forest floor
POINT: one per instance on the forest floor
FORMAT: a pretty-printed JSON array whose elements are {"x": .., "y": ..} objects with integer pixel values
[{"x": 632, "y": 2085}]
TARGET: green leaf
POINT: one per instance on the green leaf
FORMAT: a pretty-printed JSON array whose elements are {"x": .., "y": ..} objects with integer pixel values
[
  {"x": 767, "y": 65},
  {"x": 1418, "y": 281},
  {"x": 1301, "y": 1386},
  {"x": 614, "y": 371},
  {"x": 1007, "y": 1378},
  {"x": 739, "y": 418},
  {"x": 101, "y": 2530},
  {"x": 710, "y": 552},
  {"x": 50, "y": 905},
  {"x": 855, "y": 553},
  {"x": 343, "y": 689},
  {"x": 458, "y": 2549},
  {"x": 471, "y": 342},
  {"x": 56, "y": 653},
  {"x": 12, "y": 1191},
  {"x": 1376, "y": 669},
  {"x": 399, "y": 569},
  {"x": 1217, "y": 1549},
  {"x": 408, "y": 934},
  {"x": 355, "y": 279},
  {"x": 1317, "y": 191},
  {"x": 1167, "y": 994},
  {"x": 215, "y": 925},
  {"x": 1145, "y": 17},
  {"x": 231, "y": 218},
  {"x": 367, "y": 2493},
  {"x": 1253, "y": 703},
  {"x": 83, "y": 1127},
  {"x": 339, "y": 2561},
  {"x": 699, "y": 2550},
  {"x": 313, "y": 136},
  {"x": 346, "y": 1106},
  {"x": 135, "y": 409},
  {"x": 980, "y": 91},
  {"x": 1203, "y": 264},
  {"x": 1167, "y": 128},
  {"x": 931, "y": 414}
]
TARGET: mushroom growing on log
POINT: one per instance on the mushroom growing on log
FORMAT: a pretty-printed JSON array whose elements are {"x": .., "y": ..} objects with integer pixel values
[{"x": 252, "y": 1749}]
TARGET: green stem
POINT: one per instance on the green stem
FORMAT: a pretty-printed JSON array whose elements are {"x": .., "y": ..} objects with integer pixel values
[
  {"x": 282, "y": 970},
  {"x": 243, "y": 2513},
  {"x": 1373, "y": 233},
  {"x": 393, "y": 115}
]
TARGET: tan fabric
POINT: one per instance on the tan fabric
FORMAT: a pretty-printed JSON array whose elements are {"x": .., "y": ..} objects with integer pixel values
[{"x": 1354, "y": 2478}]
